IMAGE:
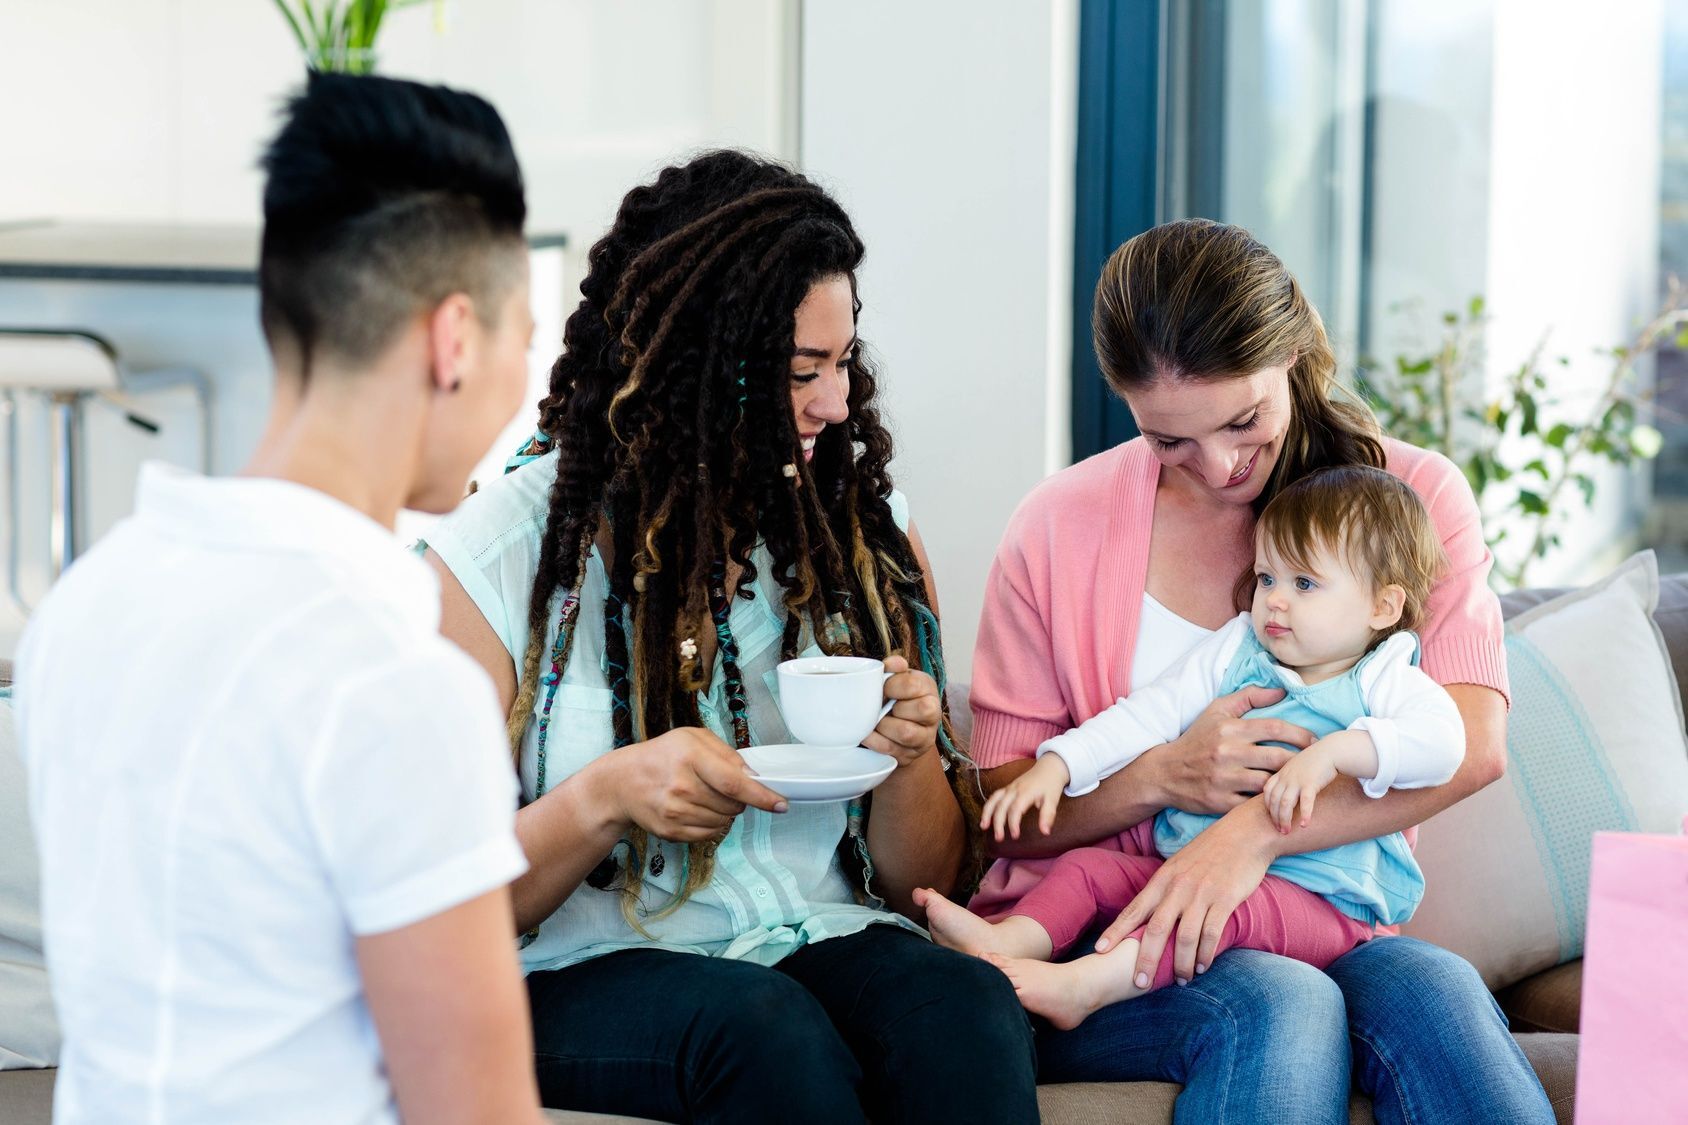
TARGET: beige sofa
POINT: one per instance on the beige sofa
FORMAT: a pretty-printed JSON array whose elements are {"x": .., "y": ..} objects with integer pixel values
[{"x": 1543, "y": 1008}]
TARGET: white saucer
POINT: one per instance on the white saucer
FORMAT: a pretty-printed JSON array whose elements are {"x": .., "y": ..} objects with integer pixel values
[{"x": 816, "y": 773}]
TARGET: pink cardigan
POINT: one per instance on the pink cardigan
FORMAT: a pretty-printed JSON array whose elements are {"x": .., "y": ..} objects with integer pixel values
[{"x": 1062, "y": 602}]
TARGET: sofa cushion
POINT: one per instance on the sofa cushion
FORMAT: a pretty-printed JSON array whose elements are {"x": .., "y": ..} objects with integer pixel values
[
  {"x": 1548, "y": 1001},
  {"x": 1595, "y": 742},
  {"x": 1554, "y": 1058},
  {"x": 1089, "y": 1102},
  {"x": 26, "y": 1097},
  {"x": 1150, "y": 1103},
  {"x": 29, "y": 1033},
  {"x": 1671, "y": 616}
]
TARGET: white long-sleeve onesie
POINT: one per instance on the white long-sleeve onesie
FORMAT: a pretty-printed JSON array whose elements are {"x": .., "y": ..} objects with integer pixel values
[{"x": 1412, "y": 721}]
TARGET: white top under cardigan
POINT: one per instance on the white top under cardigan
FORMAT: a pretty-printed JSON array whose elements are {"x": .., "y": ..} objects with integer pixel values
[{"x": 1163, "y": 638}]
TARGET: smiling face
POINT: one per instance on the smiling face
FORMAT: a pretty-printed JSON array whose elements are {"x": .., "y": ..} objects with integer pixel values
[
  {"x": 820, "y": 361},
  {"x": 1220, "y": 436},
  {"x": 1321, "y": 618}
]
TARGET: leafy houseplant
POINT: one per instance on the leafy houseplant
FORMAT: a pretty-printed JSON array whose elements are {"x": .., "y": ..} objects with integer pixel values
[
  {"x": 339, "y": 35},
  {"x": 1523, "y": 447}
]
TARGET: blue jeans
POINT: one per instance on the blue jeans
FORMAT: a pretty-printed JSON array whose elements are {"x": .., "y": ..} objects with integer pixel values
[
  {"x": 1262, "y": 1038},
  {"x": 1429, "y": 1042},
  {"x": 879, "y": 1025}
]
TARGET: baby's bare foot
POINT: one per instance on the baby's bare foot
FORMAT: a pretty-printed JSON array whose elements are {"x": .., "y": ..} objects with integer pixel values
[
  {"x": 1067, "y": 994},
  {"x": 956, "y": 927}
]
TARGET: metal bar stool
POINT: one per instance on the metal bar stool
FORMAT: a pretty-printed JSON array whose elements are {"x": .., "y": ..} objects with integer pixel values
[{"x": 67, "y": 368}]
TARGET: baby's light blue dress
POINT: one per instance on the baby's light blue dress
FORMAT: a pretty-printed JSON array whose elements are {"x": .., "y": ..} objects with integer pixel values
[{"x": 1376, "y": 881}]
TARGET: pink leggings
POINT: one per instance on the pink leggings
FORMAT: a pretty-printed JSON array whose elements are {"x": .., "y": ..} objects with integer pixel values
[{"x": 1090, "y": 884}]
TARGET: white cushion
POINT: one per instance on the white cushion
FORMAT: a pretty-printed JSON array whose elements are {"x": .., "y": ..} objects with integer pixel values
[
  {"x": 1594, "y": 743},
  {"x": 29, "y": 1035}
]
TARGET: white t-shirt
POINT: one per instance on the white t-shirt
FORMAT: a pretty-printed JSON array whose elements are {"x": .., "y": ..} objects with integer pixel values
[{"x": 247, "y": 744}]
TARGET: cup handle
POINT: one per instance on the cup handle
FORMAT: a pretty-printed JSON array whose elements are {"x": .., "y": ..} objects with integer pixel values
[{"x": 890, "y": 703}]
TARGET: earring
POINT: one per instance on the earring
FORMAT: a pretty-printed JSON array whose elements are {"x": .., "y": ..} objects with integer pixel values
[
  {"x": 688, "y": 649},
  {"x": 790, "y": 471}
]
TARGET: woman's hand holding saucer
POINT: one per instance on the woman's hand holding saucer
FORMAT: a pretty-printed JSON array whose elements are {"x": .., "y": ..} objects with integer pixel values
[{"x": 687, "y": 786}]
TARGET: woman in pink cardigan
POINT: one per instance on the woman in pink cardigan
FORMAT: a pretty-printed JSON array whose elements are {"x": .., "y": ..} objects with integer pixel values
[{"x": 1108, "y": 572}]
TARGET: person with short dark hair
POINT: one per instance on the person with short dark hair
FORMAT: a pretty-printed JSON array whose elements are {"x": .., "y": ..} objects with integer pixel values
[{"x": 276, "y": 822}]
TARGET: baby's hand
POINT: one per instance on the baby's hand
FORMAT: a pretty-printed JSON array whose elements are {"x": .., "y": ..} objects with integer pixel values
[
  {"x": 1292, "y": 790},
  {"x": 1038, "y": 787}
]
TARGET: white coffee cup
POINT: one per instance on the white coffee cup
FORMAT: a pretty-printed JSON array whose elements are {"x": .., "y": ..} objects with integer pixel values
[{"x": 833, "y": 700}]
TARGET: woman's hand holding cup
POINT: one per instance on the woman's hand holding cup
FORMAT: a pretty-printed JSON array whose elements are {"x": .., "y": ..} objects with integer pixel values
[
  {"x": 846, "y": 701},
  {"x": 910, "y": 728}
]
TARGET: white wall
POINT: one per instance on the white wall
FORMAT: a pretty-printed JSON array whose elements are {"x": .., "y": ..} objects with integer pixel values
[
  {"x": 948, "y": 134},
  {"x": 156, "y": 110}
]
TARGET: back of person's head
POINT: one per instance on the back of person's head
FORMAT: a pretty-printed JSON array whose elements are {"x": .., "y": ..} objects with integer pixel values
[
  {"x": 1199, "y": 300},
  {"x": 1370, "y": 519},
  {"x": 382, "y": 198}
]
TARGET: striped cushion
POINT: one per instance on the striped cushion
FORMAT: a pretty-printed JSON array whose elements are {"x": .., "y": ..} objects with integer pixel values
[{"x": 1594, "y": 743}]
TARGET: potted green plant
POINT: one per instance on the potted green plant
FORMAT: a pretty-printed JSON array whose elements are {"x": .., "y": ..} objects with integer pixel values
[
  {"x": 339, "y": 35},
  {"x": 1528, "y": 451}
]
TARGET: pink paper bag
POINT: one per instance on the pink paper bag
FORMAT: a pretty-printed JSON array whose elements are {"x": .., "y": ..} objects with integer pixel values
[{"x": 1632, "y": 1063}]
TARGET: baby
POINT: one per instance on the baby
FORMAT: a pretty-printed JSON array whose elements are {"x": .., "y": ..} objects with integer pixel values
[{"x": 1344, "y": 562}]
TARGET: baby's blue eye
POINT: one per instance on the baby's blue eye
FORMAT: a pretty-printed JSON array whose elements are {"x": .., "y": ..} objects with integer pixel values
[
  {"x": 1265, "y": 581},
  {"x": 1303, "y": 583}
]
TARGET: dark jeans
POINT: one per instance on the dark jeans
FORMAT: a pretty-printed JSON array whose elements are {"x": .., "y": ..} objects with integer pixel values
[{"x": 881, "y": 1023}]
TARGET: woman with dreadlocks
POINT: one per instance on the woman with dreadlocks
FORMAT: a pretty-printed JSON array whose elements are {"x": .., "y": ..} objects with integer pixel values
[{"x": 708, "y": 496}]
